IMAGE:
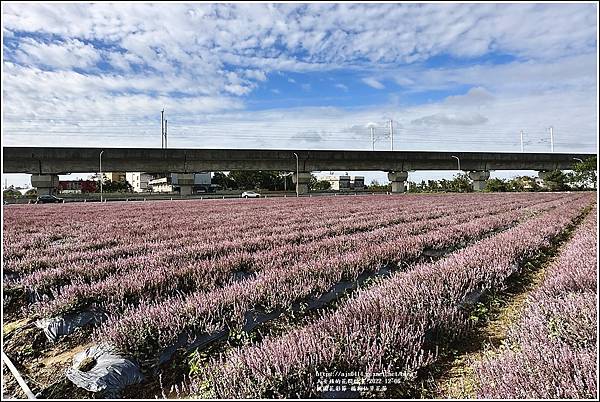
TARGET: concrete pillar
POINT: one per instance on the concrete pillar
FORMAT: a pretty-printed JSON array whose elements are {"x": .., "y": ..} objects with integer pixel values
[
  {"x": 398, "y": 179},
  {"x": 303, "y": 180},
  {"x": 45, "y": 183},
  {"x": 479, "y": 178},
  {"x": 185, "y": 182}
]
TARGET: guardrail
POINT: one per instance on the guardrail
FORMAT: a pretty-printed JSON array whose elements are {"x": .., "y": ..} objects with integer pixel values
[{"x": 177, "y": 197}]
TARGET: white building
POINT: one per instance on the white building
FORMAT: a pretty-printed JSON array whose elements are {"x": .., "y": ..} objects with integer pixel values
[
  {"x": 169, "y": 183},
  {"x": 161, "y": 185},
  {"x": 139, "y": 181},
  {"x": 338, "y": 182}
]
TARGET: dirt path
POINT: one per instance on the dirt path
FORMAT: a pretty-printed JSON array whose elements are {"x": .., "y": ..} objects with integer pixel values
[
  {"x": 454, "y": 375},
  {"x": 457, "y": 378}
]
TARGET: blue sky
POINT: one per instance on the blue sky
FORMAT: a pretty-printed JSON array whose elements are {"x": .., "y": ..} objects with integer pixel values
[{"x": 450, "y": 76}]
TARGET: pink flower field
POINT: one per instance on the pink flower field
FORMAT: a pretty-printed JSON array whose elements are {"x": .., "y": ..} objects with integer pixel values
[{"x": 268, "y": 297}]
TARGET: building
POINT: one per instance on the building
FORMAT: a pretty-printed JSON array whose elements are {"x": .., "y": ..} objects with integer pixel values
[
  {"x": 161, "y": 185},
  {"x": 202, "y": 179},
  {"x": 357, "y": 183},
  {"x": 339, "y": 183},
  {"x": 77, "y": 186},
  {"x": 344, "y": 182},
  {"x": 139, "y": 181},
  {"x": 170, "y": 183},
  {"x": 115, "y": 176}
]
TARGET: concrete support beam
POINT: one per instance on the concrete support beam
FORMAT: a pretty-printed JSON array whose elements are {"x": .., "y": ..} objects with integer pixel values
[
  {"x": 46, "y": 184},
  {"x": 301, "y": 181},
  {"x": 398, "y": 180},
  {"x": 479, "y": 178},
  {"x": 34, "y": 160},
  {"x": 185, "y": 182}
]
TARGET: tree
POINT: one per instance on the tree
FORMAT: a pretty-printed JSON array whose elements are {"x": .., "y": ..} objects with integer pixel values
[
  {"x": 460, "y": 183},
  {"x": 584, "y": 174},
  {"x": 496, "y": 185},
  {"x": 376, "y": 187},
  {"x": 247, "y": 180},
  {"x": 318, "y": 185},
  {"x": 523, "y": 183},
  {"x": 321, "y": 185},
  {"x": 11, "y": 193},
  {"x": 555, "y": 180},
  {"x": 444, "y": 185},
  {"x": 414, "y": 187},
  {"x": 433, "y": 186},
  {"x": 31, "y": 193},
  {"x": 223, "y": 181},
  {"x": 109, "y": 186},
  {"x": 244, "y": 179},
  {"x": 515, "y": 184}
]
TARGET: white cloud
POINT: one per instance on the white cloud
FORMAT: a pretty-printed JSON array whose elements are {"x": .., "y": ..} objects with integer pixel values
[
  {"x": 373, "y": 83},
  {"x": 256, "y": 75},
  {"x": 63, "y": 55},
  {"x": 450, "y": 119},
  {"x": 342, "y": 87},
  {"x": 451, "y": 127},
  {"x": 32, "y": 93},
  {"x": 379, "y": 33},
  {"x": 476, "y": 96},
  {"x": 202, "y": 59}
]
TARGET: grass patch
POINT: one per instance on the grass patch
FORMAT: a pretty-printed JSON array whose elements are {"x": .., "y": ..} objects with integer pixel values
[{"x": 452, "y": 375}]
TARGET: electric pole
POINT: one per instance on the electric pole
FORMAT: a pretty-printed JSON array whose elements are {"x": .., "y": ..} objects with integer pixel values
[
  {"x": 392, "y": 134},
  {"x": 166, "y": 121},
  {"x": 521, "y": 140},
  {"x": 551, "y": 139},
  {"x": 373, "y": 138},
  {"x": 162, "y": 128}
]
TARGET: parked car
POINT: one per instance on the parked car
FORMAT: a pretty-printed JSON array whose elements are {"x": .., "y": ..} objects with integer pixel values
[
  {"x": 250, "y": 194},
  {"x": 48, "y": 199}
]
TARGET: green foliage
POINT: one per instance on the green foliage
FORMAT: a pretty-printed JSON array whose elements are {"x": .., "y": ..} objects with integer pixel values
[
  {"x": 556, "y": 180},
  {"x": 253, "y": 179},
  {"x": 223, "y": 181},
  {"x": 11, "y": 193},
  {"x": 109, "y": 186},
  {"x": 376, "y": 187},
  {"x": 322, "y": 185},
  {"x": 430, "y": 186},
  {"x": 197, "y": 360},
  {"x": 496, "y": 185},
  {"x": 584, "y": 175},
  {"x": 31, "y": 193},
  {"x": 460, "y": 184},
  {"x": 479, "y": 313},
  {"x": 318, "y": 185},
  {"x": 240, "y": 337}
]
